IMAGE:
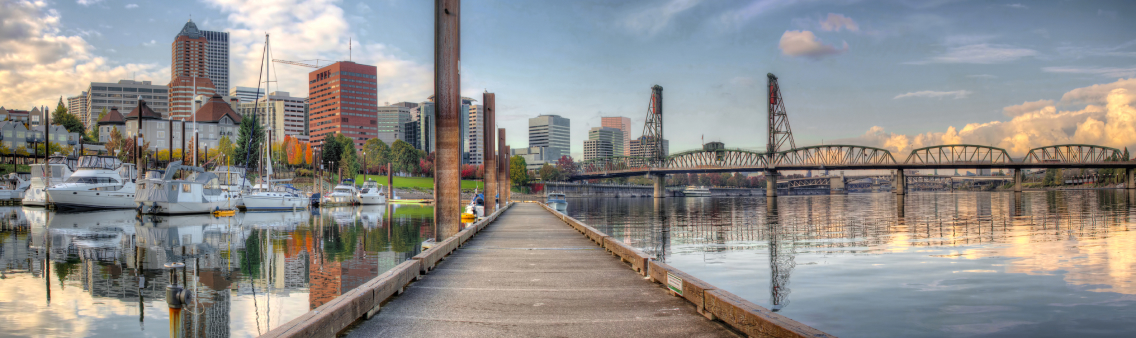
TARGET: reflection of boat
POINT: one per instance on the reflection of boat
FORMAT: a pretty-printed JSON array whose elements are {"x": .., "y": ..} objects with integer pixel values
[
  {"x": 275, "y": 220},
  {"x": 200, "y": 192},
  {"x": 427, "y": 244},
  {"x": 372, "y": 215},
  {"x": 43, "y": 176},
  {"x": 400, "y": 201},
  {"x": 232, "y": 179},
  {"x": 557, "y": 201},
  {"x": 16, "y": 188},
  {"x": 343, "y": 194},
  {"x": 371, "y": 193},
  {"x": 96, "y": 185},
  {"x": 696, "y": 191}
]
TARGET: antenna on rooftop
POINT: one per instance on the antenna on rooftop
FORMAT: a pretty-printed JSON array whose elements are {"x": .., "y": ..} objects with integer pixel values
[{"x": 349, "y": 43}]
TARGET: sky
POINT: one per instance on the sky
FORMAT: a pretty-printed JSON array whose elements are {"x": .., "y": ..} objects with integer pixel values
[{"x": 893, "y": 74}]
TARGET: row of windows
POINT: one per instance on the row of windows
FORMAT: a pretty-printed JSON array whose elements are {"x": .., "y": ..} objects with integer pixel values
[{"x": 127, "y": 89}]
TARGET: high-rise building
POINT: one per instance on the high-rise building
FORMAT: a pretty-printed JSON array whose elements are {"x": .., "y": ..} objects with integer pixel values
[
  {"x": 291, "y": 121},
  {"x": 476, "y": 121},
  {"x": 534, "y": 157},
  {"x": 611, "y": 135},
  {"x": 246, "y": 94},
  {"x": 594, "y": 149},
  {"x": 190, "y": 71},
  {"x": 623, "y": 124},
  {"x": 123, "y": 94},
  {"x": 392, "y": 120},
  {"x": 466, "y": 107},
  {"x": 426, "y": 127},
  {"x": 342, "y": 99},
  {"x": 550, "y": 131},
  {"x": 77, "y": 105},
  {"x": 217, "y": 56},
  {"x": 637, "y": 147}
]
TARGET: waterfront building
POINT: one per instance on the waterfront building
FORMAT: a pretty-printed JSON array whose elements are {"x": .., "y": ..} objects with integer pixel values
[
  {"x": 550, "y": 131},
  {"x": 342, "y": 99},
  {"x": 247, "y": 94},
  {"x": 77, "y": 105},
  {"x": 426, "y": 126},
  {"x": 123, "y": 94},
  {"x": 411, "y": 130},
  {"x": 217, "y": 59},
  {"x": 291, "y": 118},
  {"x": 112, "y": 120},
  {"x": 623, "y": 124},
  {"x": 476, "y": 131},
  {"x": 16, "y": 135},
  {"x": 637, "y": 148},
  {"x": 190, "y": 71},
  {"x": 534, "y": 157},
  {"x": 611, "y": 135},
  {"x": 594, "y": 149}
]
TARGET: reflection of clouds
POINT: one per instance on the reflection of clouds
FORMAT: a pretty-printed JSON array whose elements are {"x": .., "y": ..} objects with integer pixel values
[
  {"x": 73, "y": 312},
  {"x": 983, "y": 328},
  {"x": 1124, "y": 300},
  {"x": 963, "y": 309},
  {"x": 939, "y": 285},
  {"x": 1108, "y": 262}
]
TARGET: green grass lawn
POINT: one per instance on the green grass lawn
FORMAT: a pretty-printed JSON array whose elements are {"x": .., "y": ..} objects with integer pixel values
[{"x": 421, "y": 183}]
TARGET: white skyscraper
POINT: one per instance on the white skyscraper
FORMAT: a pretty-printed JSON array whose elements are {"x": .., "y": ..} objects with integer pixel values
[{"x": 218, "y": 57}]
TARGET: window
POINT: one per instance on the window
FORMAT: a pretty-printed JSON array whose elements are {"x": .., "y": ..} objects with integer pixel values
[{"x": 185, "y": 187}]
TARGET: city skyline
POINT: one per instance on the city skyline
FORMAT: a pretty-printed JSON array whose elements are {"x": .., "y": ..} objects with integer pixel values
[{"x": 851, "y": 73}]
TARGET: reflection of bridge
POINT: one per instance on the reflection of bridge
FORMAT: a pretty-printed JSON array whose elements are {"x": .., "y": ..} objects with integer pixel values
[{"x": 713, "y": 159}]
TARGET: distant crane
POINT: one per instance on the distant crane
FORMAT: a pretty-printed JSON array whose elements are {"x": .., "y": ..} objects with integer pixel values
[{"x": 296, "y": 63}]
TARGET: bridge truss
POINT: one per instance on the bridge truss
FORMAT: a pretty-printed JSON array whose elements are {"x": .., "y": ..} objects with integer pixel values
[
  {"x": 834, "y": 155},
  {"x": 1074, "y": 153},
  {"x": 958, "y": 154}
]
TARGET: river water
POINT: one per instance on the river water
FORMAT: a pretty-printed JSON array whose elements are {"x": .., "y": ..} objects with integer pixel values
[
  {"x": 100, "y": 273},
  {"x": 962, "y": 264}
]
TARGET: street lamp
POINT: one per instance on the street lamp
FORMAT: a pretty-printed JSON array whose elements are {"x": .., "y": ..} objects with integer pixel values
[{"x": 365, "y": 171}]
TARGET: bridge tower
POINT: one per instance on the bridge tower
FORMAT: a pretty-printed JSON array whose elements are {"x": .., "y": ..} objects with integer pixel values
[
  {"x": 653, "y": 139},
  {"x": 779, "y": 133}
]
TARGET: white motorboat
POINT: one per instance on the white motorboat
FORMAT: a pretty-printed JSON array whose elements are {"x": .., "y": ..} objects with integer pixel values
[
  {"x": 199, "y": 192},
  {"x": 696, "y": 191},
  {"x": 557, "y": 201},
  {"x": 343, "y": 194},
  {"x": 43, "y": 176},
  {"x": 102, "y": 182},
  {"x": 282, "y": 197},
  {"x": 16, "y": 187},
  {"x": 371, "y": 194},
  {"x": 476, "y": 205}
]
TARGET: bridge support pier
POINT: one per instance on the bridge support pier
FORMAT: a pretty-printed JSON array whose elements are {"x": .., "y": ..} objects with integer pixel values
[
  {"x": 1017, "y": 180},
  {"x": 770, "y": 183},
  {"x": 660, "y": 185},
  {"x": 1130, "y": 178},
  {"x": 900, "y": 182}
]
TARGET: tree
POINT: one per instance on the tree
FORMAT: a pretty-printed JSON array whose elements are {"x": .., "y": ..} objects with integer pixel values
[
  {"x": 61, "y": 117},
  {"x": 93, "y": 134},
  {"x": 116, "y": 142},
  {"x": 378, "y": 155},
  {"x": 225, "y": 147},
  {"x": 517, "y": 170},
  {"x": 308, "y": 159},
  {"x": 426, "y": 165},
  {"x": 340, "y": 151},
  {"x": 404, "y": 157},
  {"x": 548, "y": 173},
  {"x": 249, "y": 144},
  {"x": 566, "y": 165}
]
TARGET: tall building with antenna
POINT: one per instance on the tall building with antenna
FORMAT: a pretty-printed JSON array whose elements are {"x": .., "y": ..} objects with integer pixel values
[
  {"x": 217, "y": 59},
  {"x": 190, "y": 71}
]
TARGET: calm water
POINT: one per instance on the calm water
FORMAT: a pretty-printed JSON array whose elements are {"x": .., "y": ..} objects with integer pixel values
[
  {"x": 100, "y": 273},
  {"x": 963, "y": 264}
]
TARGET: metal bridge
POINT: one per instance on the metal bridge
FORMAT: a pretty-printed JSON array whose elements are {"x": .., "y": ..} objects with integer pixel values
[{"x": 838, "y": 157}]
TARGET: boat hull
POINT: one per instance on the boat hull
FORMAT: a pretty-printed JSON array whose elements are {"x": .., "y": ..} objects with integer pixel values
[
  {"x": 372, "y": 199},
  {"x": 35, "y": 197},
  {"x": 183, "y": 208},
  {"x": 340, "y": 200},
  {"x": 266, "y": 203},
  {"x": 93, "y": 199}
]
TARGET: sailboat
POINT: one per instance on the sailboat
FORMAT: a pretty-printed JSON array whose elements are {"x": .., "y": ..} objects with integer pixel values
[
  {"x": 264, "y": 197},
  {"x": 198, "y": 193}
]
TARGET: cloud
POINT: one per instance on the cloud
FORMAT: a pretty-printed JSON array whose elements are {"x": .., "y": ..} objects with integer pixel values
[
  {"x": 958, "y": 94},
  {"x": 805, "y": 43},
  {"x": 1017, "y": 6},
  {"x": 1110, "y": 72},
  {"x": 1098, "y": 93},
  {"x": 982, "y": 53},
  {"x": 312, "y": 29},
  {"x": 1031, "y": 125},
  {"x": 982, "y": 76},
  {"x": 836, "y": 22},
  {"x": 131, "y": 6},
  {"x": 652, "y": 20},
  {"x": 41, "y": 63},
  {"x": 734, "y": 19},
  {"x": 88, "y": 2},
  {"x": 1026, "y": 107}
]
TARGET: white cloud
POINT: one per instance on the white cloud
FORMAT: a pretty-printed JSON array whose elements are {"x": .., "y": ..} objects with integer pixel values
[
  {"x": 1017, "y": 6},
  {"x": 734, "y": 19},
  {"x": 958, "y": 94},
  {"x": 131, "y": 6},
  {"x": 88, "y": 2},
  {"x": 982, "y": 53},
  {"x": 42, "y": 63},
  {"x": 1110, "y": 72},
  {"x": 836, "y": 22},
  {"x": 1033, "y": 124},
  {"x": 805, "y": 43},
  {"x": 982, "y": 76},
  {"x": 1026, "y": 107},
  {"x": 313, "y": 29},
  {"x": 1097, "y": 94},
  {"x": 652, "y": 20}
]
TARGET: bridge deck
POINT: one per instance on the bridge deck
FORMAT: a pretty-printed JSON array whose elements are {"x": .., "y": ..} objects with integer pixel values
[{"x": 528, "y": 274}]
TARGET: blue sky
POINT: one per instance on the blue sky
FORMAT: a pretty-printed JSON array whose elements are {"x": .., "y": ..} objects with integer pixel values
[{"x": 897, "y": 74}]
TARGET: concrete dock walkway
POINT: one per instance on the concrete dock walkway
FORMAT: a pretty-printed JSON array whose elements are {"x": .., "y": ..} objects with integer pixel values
[{"x": 528, "y": 274}]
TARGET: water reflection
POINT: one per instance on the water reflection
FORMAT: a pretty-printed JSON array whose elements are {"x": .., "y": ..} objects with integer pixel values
[
  {"x": 88, "y": 274},
  {"x": 923, "y": 264}
]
